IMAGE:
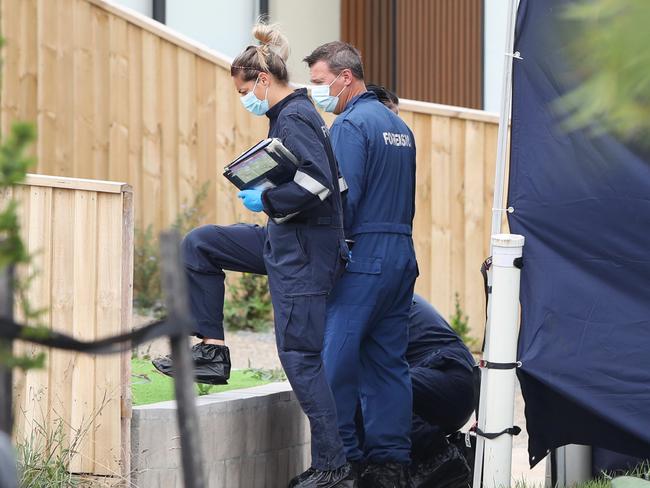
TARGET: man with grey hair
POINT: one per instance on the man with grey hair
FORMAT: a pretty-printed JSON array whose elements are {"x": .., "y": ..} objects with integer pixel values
[{"x": 368, "y": 310}]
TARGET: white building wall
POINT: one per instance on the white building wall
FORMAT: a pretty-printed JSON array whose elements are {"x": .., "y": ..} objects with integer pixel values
[
  {"x": 307, "y": 24},
  {"x": 494, "y": 36},
  {"x": 223, "y": 25},
  {"x": 143, "y": 6}
]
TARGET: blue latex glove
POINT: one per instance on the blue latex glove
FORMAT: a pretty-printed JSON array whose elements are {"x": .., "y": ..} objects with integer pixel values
[{"x": 252, "y": 199}]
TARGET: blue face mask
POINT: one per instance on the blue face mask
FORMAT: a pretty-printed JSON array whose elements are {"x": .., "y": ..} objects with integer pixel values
[
  {"x": 321, "y": 96},
  {"x": 253, "y": 104}
]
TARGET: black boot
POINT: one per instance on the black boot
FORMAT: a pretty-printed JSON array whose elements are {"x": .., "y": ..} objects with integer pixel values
[
  {"x": 211, "y": 364},
  {"x": 316, "y": 478},
  {"x": 356, "y": 468},
  {"x": 386, "y": 475},
  {"x": 302, "y": 476},
  {"x": 446, "y": 469}
]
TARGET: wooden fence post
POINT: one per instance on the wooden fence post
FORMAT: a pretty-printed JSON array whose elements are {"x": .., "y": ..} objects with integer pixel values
[
  {"x": 174, "y": 283},
  {"x": 6, "y": 384}
]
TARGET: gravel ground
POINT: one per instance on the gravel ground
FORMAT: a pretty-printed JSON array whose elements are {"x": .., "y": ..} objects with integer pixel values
[{"x": 257, "y": 350}]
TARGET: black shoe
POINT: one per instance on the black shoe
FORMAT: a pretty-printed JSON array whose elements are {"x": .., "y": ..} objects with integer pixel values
[
  {"x": 446, "y": 469},
  {"x": 356, "y": 467},
  {"x": 211, "y": 364},
  {"x": 302, "y": 476},
  {"x": 460, "y": 440},
  {"x": 315, "y": 478},
  {"x": 386, "y": 475}
]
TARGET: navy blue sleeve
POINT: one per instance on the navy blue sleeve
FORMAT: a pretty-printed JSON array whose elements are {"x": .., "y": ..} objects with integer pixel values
[
  {"x": 351, "y": 153},
  {"x": 313, "y": 180}
]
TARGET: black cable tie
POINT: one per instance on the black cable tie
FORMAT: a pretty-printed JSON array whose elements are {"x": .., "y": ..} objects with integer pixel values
[
  {"x": 514, "y": 430},
  {"x": 492, "y": 365}
]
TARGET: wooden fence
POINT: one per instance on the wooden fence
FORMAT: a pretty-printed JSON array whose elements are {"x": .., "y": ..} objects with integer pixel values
[
  {"x": 80, "y": 234},
  {"x": 118, "y": 96}
]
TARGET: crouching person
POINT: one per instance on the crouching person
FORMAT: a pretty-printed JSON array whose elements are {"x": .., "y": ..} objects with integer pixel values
[{"x": 441, "y": 369}]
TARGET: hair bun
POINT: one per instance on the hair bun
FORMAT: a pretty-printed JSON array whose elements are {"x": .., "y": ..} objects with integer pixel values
[{"x": 270, "y": 36}]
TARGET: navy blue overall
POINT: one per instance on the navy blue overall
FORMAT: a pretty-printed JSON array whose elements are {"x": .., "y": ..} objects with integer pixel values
[
  {"x": 367, "y": 313},
  {"x": 302, "y": 258},
  {"x": 441, "y": 372}
]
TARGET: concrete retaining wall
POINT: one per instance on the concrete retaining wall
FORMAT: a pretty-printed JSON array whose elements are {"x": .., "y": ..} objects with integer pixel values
[{"x": 256, "y": 437}]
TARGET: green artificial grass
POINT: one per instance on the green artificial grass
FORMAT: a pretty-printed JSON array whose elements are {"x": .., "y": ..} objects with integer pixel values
[
  {"x": 150, "y": 386},
  {"x": 600, "y": 483}
]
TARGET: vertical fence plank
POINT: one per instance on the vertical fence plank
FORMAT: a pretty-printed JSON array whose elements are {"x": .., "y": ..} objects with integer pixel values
[
  {"x": 101, "y": 89},
  {"x": 36, "y": 406},
  {"x": 126, "y": 321},
  {"x": 206, "y": 128},
  {"x": 84, "y": 95},
  {"x": 168, "y": 86},
  {"x": 441, "y": 239},
  {"x": 409, "y": 118},
  {"x": 473, "y": 218},
  {"x": 187, "y": 125},
  {"x": 135, "y": 117},
  {"x": 225, "y": 146},
  {"x": 489, "y": 162},
  {"x": 9, "y": 91},
  {"x": 47, "y": 92},
  {"x": 151, "y": 212},
  {"x": 27, "y": 61},
  {"x": 18, "y": 26},
  {"x": 63, "y": 151},
  {"x": 109, "y": 301},
  {"x": 84, "y": 407},
  {"x": 62, "y": 364},
  {"x": 422, "y": 222},
  {"x": 21, "y": 383},
  {"x": 457, "y": 186},
  {"x": 119, "y": 98}
]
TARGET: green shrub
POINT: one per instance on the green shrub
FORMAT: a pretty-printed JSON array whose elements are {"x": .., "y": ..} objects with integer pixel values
[
  {"x": 44, "y": 457},
  {"x": 265, "y": 374},
  {"x": 460, "y": 323},
  {"x": 248, "y": 306},
  {"x": 14, "y": 163},
  {"x": 147, "y": 290}
]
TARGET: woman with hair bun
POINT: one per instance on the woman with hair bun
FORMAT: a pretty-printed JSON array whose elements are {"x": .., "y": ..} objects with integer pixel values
[{"x": 302, "y": 256}]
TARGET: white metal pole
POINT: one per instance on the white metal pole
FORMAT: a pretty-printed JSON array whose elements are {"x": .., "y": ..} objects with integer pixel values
[
  {"x": 504, "y": 119},
  {"x": 497, "y": 204},
  {"x": 499, "y": 395}
]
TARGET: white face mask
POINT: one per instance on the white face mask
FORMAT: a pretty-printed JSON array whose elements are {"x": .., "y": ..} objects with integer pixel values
[{"x": 321, "y": 96}]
